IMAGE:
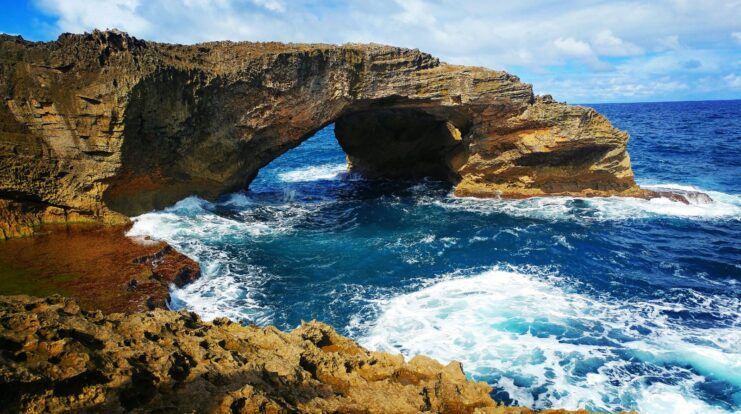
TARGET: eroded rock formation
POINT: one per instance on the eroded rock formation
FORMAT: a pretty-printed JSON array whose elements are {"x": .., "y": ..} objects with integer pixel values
[
  {"x": 103, "y": 125},
  {"x": 56, "y": 358}
]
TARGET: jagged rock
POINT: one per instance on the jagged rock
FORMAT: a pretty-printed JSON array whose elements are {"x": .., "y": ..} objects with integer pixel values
[
  {"x": 56, "y": 357},
  {"x": 682, "y": 196},
  {"x": 104, "y": 124}
]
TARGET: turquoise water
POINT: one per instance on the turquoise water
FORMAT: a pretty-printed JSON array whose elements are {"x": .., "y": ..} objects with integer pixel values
[{"x": 607, "y": 304}]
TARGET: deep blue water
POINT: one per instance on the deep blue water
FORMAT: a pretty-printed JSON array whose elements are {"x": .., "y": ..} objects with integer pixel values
[{"x": 605, "y": 303}]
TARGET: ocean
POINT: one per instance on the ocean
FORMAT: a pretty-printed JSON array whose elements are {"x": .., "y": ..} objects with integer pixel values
[{"x": 607, "y": 303}]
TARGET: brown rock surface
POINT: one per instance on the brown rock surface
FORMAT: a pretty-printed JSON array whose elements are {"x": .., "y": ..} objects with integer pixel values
[
  {"x": 56, "y": 357},
  {"x": 101, "y": 124},
  {"x": 97, "y": 265},
  {"x": 682, "y": 196}
]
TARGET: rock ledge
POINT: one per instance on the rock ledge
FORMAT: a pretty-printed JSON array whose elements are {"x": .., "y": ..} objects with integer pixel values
[{"x": 56, "y": 357}]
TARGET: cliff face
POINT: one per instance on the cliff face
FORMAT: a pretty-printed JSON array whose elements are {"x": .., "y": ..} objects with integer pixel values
[{"x": 102, "y": 125}]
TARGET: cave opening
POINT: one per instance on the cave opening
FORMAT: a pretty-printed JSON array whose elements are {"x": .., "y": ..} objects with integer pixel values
[
  {"x": 213, "y": 151},
  {"x": 400, "y": 143},
  {"x": 393, "y": 145}
]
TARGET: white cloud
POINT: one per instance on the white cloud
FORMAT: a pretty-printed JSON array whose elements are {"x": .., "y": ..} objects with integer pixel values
[
  {"x": 272, "y": 5},
  {"x": 572, "y": 47},
  {"x": 415, "y": 12},
  {"x": 538, "y": 39},
  {"x": 737, "y": 37},
  {"x": 578, "y": 49},
  {"x": 733, "y": 80},
  {"x": 81, "y": 15},
  {"x": 669, "y": 42},
  {"x": 607, "y": 44}
]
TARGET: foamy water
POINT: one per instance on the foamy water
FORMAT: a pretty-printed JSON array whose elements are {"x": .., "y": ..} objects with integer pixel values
[
  {"x": 723, "y": 206},
  {"x": 523, "y": 331},
  {"x": 314, "y": 173},
  {"x": 601, "y": 303},
  {"x": 548, "y": 347}
]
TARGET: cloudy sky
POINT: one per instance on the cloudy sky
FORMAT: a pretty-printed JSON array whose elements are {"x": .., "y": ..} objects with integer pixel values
[{"x": 581, "y": 51}]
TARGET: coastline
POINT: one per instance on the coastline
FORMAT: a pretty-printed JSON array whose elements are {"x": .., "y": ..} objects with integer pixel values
[
  {"x": 58, "y": 357},
  {"x": 106, "y": 136},
  {"x": 83, "y": 275}
]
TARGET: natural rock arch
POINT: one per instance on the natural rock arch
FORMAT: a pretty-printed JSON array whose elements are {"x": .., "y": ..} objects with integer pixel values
[{"x": 103, "y": 124}]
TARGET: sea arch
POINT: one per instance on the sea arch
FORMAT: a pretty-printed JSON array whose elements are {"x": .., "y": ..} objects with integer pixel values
[{"x": 112, "y": 125}]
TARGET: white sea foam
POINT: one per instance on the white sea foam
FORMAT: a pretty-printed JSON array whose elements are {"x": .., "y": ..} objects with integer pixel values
[
  {"x": 227, "y": 286},
  {"x": 660, "y": 398},
  {"x": 523, "y": 332},
  {"x": 517, "y": 328},
  {"x": 222, "y": 292},
  {"x": 191, "y": 219},
  {"x": 314, "y": 173},
  {"x": 723, "y": 206}
]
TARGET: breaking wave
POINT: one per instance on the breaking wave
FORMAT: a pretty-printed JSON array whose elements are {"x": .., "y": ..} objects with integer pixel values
[
  {"x": 723, "y": 206},
  {"x": 602, "y": 303},
  {"x": 314, "y": 173},
  {"x": 542, "y": 345}
]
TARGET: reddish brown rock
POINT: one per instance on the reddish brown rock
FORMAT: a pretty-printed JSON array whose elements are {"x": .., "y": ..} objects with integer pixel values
[{"x": 99, "y": 266}]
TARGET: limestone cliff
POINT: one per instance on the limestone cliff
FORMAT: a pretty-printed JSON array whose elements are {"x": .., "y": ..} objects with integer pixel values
[
  {"x": 102, "y": 125},
  {"x": 57, "y": 358}
]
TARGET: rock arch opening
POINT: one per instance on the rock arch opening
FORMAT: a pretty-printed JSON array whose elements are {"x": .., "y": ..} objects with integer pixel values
[{"x": 175, "y": 148}]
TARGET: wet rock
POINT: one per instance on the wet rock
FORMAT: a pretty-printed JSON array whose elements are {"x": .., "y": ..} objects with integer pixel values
[
  {"x": 682, "y": 196},
  {"x": 97, "y": 265}
]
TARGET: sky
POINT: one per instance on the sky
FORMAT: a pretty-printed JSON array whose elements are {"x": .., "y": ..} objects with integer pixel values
[{"x": 580, "y": 51}]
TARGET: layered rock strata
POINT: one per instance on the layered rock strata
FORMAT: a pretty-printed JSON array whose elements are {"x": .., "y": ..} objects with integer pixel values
[
  {"x": 58, "y": 358},
  {"x": 100, "y": 126}
]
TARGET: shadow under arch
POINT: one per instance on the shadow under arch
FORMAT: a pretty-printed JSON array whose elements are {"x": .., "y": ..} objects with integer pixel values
[{"x": 186, "y": 134}]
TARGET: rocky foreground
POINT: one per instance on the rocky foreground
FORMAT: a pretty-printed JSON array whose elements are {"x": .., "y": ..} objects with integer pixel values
[{"x": 55, "y": 357}]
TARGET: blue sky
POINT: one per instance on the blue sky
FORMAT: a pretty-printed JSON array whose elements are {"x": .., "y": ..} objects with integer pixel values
[{"x": 581, "y": 51}]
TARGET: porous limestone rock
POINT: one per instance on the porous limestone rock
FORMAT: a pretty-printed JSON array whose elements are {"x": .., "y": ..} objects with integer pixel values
[
  {"x": 103, "y": 125},
  {"x": 56, "y": 357}
]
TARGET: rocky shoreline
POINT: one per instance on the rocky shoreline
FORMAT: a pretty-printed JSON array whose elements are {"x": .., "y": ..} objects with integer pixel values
[
  {"x": 57, "y": 357},
  {"x": 110, "y": 344},
  {"x": 101, "y": 126}
]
